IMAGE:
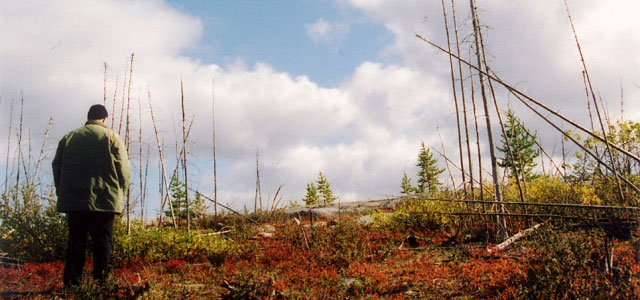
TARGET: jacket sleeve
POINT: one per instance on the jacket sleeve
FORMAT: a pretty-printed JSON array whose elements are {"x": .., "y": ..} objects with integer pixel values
[
  {"x": 57, "y": 164},
  {"x": 121, "y": 161}
]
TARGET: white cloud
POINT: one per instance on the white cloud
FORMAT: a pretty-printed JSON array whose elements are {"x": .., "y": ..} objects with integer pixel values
[
  {"x": 318, "y": 30},
  {"x": 323, "y": 30},
  {"x": 362, "y": 135}
]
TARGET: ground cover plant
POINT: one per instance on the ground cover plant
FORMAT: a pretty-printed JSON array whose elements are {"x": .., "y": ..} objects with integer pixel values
[{"x": 343, "y": 259}]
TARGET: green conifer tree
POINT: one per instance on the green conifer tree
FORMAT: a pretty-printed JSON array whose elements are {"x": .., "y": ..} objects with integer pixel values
[
  {"x": 311, "y": 198},
  {"x": 324, "y": 190},
  {"x": 522, "y": 160},
  {"x": 406, "y": 188},
  {"x": 428, "y": 172},
  {"x": 178, "y": 200},
  {"x": 178, "y": 194}
]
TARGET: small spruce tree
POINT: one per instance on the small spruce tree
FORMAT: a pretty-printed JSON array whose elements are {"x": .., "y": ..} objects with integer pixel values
[
  {"x": 311, "y": 198},
  {"x": 406, "y": 188},
  {"x": 428, "y": 172},
  {"x": 319, "y": 192},
  {"x": 324, "y": 189},
  {"x": 522, "y": 147},
  {"x": 178, "y": 195},
  {"x": 178, "y": 201}
]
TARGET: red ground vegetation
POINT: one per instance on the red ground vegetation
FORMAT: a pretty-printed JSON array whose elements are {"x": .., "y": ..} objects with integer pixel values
[{"x": 353, "y": 262}]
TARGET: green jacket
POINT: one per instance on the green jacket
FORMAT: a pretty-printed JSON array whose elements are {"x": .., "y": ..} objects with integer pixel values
[{"x": 91, "y": 170}]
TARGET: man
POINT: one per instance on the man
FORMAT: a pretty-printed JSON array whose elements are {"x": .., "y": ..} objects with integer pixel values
[{"x": 91, "y": 173}]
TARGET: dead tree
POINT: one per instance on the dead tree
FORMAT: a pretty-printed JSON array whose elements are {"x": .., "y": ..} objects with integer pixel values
[
  {"x": 464, "y": 105},
  {"x": 494, "y": 166},
  {"x": 215, "y": 175},
  {"x": 184, "y": 158},
  {"x": 455, "y": 101},
  {"x": 127, "y": 142},
  {"x": 258, "y": 193},
  {"x": 595, "y": 104},
  {"x": 163, "y": 170}
]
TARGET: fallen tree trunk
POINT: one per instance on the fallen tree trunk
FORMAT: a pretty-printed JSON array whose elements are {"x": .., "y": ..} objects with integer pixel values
[{"x": 514, "y": 238}]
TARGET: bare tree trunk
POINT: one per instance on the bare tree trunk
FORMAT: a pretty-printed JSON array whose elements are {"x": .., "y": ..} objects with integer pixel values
[
  {"x": 144, "y": 189},
  {"x": 19, "y": 147},
  {"x": 164, "y": 173},
  {"x": 258, "y": 193},
  {"x": 215, "y": 175},
  {"x": 115, "y": 99},
  {"x": 104, "y": 102},
  {"x": 27, "y": 165},
  {"x": 595, "y": 104},
  {"x": 586, "y": 90},
  {"x": 161, "y": 183},
  {"x": 6, "y": 165},
  {"x": 621, "y": 102},
  {"x": 507, "y": 141},
  {"x": 464, "y": 105},
  {"x": 475, "y": 121},
  {"x": 124, "y": 86},
  {"x": 127, "y": 141},
  {"x": 141, "y": 184},
  {"x": 455, "y": 100},
  {"x": 184, "y": 159},
  {"x": 514, "y": 238},
  {"x": 42, "y": 149},
  {"x": 605, "y": 110},
  {"x": 179, "y": 161},
  {"x": 608, "y": 255},
  {"x": 494, "y": 168}
]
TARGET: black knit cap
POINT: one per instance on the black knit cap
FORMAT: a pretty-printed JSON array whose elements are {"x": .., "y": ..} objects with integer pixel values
[{"x": 97, "y": 112}]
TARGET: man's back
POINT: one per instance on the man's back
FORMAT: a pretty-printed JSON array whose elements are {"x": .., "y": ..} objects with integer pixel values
[{"x": 91, "y": 170}]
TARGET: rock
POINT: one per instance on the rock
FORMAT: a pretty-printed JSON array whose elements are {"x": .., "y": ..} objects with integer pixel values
[
  {"x": 334, "y": 209},
  {"x": 349, "y": 282},
  {"x": 365, "y": 220},
  {"x": 265, "y": 235},
  {"x": 327, "y": 212},
  {"x": 302, "y": 213},
  {"x": 267, "y": 228}
]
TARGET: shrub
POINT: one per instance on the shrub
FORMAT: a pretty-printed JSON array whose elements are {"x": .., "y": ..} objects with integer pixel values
[
  {"x": 544, "y": 189},
  {"x": 568, "y": 267},
  {"x": 31, "y": 230},
  {"x": 418, "y": 214},
  {"x": 151, "y": 244}
]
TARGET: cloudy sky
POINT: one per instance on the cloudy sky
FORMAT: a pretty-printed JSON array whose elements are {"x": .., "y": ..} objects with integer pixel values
[{"x": 343, "y": 87}]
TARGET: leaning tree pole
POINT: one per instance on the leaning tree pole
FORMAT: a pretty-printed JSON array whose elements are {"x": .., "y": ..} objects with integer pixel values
[{"x": 494, "y": 165}]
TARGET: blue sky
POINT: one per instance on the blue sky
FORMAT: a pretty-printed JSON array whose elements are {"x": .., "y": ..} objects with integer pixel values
[
  {"x": 274, "y": 32},
  {"x": 343, "y": 87}
]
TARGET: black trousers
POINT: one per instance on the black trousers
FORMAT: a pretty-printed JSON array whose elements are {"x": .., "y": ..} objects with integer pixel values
[{"x": 99, "y": 225}]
